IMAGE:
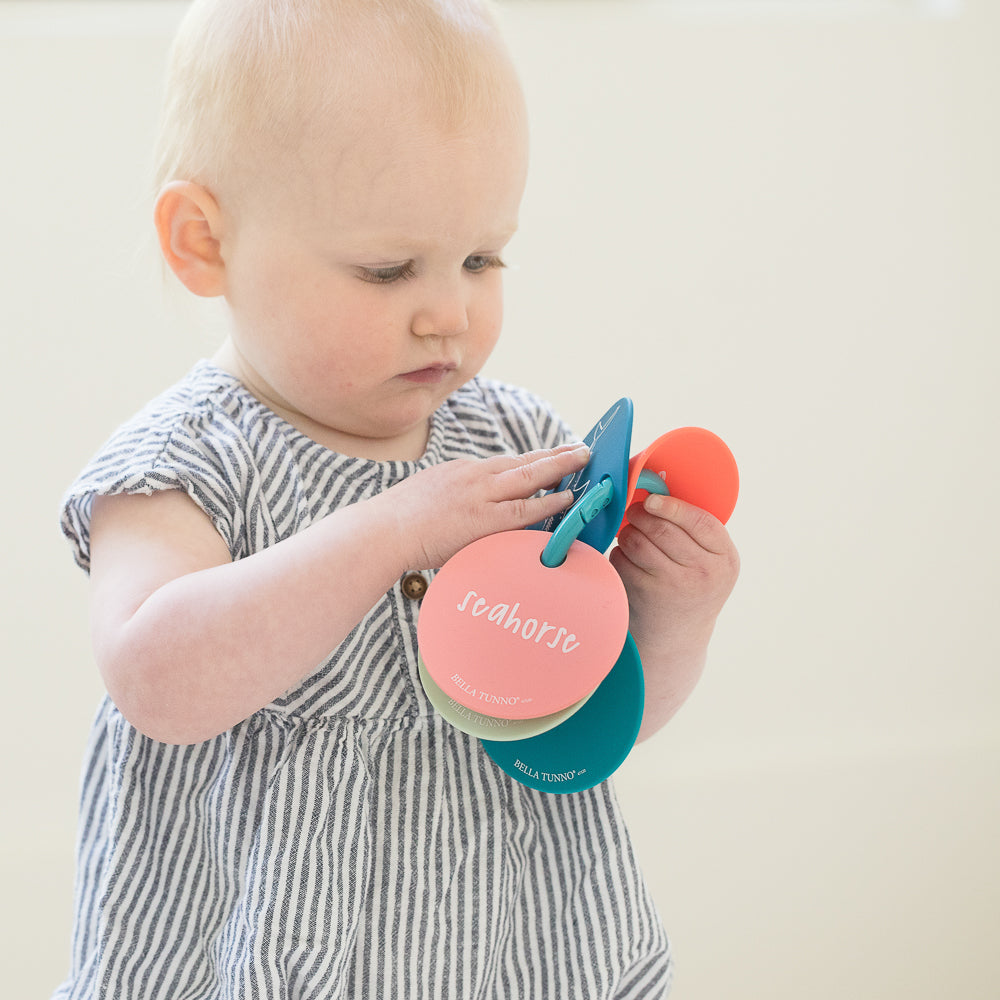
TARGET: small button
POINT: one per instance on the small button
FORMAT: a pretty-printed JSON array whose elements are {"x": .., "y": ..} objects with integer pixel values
[{"x": 414, "y": 586}]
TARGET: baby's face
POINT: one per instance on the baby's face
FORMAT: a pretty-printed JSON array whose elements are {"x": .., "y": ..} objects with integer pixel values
[{"x": 368, "y": 288}]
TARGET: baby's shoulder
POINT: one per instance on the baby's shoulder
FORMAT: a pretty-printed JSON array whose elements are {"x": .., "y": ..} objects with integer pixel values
[
  {"x": 203, "y": 402},
  {"x": 191, "y": 437},
  {"x": 198, "y": 420}
]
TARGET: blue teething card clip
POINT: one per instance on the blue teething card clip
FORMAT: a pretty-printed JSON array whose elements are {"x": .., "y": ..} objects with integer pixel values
[{"x": 586, "y": 509}]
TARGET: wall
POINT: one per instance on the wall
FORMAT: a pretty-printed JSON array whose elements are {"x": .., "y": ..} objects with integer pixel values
[{"x": 781, "y": 228}]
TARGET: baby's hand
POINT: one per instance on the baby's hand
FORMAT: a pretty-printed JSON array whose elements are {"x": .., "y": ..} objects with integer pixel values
[
  {"x": 446, "y": 507},
  {"x": 678, "y": 565}
]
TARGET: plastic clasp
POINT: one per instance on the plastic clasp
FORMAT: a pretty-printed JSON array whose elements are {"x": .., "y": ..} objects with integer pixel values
[
  {"x": 580, "y": 514},
  {"x": 651, "y": 483},
  {"x": 586, "y": 509}
]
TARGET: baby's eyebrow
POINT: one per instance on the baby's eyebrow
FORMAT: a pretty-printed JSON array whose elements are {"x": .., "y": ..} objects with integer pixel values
[{"x": 405, "y": 247}]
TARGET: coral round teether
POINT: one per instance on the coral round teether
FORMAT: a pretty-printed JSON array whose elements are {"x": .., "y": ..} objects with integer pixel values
[
  {"x": 695, "y": 464},
  {"x": 506, "y": 636}
]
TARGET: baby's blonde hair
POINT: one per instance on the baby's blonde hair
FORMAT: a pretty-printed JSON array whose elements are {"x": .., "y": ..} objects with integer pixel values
[{"x": 246, "y": 73}]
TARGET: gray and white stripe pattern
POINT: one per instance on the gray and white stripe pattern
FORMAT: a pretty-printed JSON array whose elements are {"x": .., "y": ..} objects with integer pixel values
[{"x": 344, "y": 841}]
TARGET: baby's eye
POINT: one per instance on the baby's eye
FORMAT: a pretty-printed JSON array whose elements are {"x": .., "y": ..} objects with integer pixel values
[
  {"x": 386, "y": 275},
  {"x": 482, "y": 262}
]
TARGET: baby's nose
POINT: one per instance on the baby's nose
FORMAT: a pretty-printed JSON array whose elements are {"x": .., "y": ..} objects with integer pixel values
[{"x": 445, "y": 314}]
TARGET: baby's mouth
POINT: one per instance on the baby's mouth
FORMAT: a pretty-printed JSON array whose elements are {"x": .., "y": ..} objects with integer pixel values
[{"x": 430, "y": 375}]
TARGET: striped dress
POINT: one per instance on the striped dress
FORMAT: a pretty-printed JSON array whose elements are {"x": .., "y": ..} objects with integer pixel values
[{"x": 344, "y": 841}]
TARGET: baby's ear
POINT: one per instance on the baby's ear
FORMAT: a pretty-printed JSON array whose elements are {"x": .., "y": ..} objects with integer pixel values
[{"x": 188, "y": 223}]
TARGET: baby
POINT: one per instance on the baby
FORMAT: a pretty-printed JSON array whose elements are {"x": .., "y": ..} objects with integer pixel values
[{"x": 271, "y": 807}]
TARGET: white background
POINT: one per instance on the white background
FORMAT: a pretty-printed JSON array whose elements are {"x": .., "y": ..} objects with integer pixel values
[{"x": 783, "y": 228}]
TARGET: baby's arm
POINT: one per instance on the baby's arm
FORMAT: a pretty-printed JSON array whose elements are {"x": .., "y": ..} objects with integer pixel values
[
  {"x": 190, "y": 643},
  {"x": 679, "y": 566}
]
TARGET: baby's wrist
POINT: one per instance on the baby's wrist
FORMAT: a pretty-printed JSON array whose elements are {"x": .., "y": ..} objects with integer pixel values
[
  {"x": 672, "y": 637},
  {"x": 393, "y": 536}
]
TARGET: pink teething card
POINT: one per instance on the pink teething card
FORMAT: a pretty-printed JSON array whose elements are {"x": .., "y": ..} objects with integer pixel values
[{"x": 508, "y": 637}]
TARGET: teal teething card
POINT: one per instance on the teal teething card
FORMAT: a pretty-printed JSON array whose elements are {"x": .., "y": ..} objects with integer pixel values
[
  {"x": 609, "y": 441},
  {"x": 591, "y": 744}
]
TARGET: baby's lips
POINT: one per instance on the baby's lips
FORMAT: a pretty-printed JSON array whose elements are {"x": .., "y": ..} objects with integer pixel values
[{"x": 696, "y": 466}]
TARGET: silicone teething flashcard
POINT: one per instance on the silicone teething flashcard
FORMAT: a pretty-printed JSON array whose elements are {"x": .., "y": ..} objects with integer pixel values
[
  {"x": 505, "y": 635},
  {"x": 695, "y": 465},
  {"x": 523, "y": 635},
  {"x": 589, "y": 746},
  {"x": 484, "y": 726},
  {"x": 609, "y": 440}
]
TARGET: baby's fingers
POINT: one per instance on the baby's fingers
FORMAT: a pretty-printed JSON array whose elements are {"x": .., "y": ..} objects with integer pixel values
[
  {"x": 685, "y": 534},
  {"x": 703, "y": 528},
  {"x": 524, "y": 475}
]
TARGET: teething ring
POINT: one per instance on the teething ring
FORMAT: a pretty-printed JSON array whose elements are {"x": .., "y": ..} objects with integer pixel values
[{"x": 694, "y": 465}]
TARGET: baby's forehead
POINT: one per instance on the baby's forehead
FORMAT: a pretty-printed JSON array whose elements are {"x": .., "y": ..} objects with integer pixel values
[
  {"x": 398, "y": 92},
  {"x": 454, "y": 77}
]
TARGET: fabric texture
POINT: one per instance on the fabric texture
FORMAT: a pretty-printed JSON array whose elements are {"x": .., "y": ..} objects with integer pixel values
[{"x": 344, "y": 841}]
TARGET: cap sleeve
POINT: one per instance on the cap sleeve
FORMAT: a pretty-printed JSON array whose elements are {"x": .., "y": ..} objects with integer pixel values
[{"x": 155, "y": 451}]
